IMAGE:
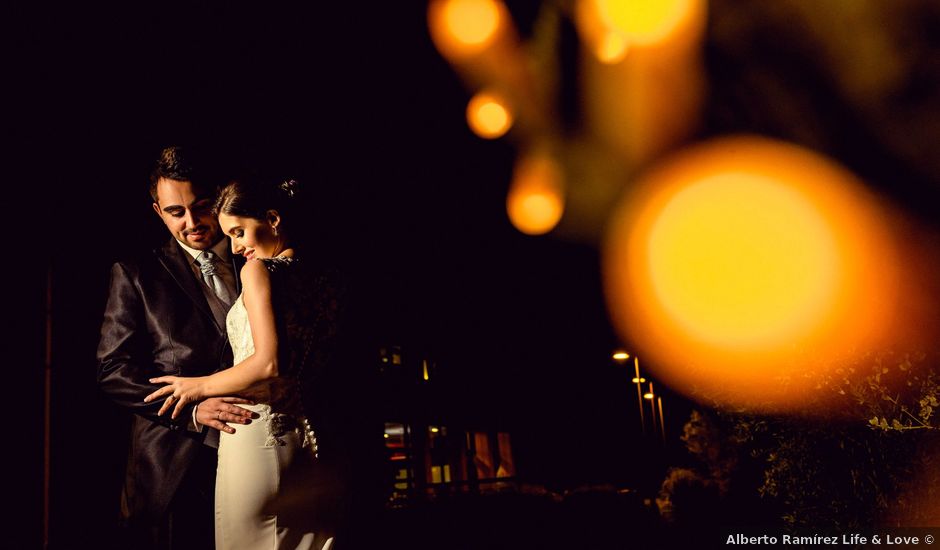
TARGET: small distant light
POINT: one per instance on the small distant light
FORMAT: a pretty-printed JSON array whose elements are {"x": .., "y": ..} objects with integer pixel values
[
  {"x": 639, "y": 380},
  {"x": 621, "y": 356},
  {"x": 386, "y": 436},
  {"x": 647, "y": 396},
  {"x": 434, "y": 429}
]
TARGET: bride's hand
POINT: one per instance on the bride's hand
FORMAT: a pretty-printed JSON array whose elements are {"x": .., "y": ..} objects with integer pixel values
[{"x": 179, "y": 390}]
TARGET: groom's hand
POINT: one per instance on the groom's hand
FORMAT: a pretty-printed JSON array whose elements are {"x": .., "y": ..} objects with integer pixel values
[{"x": 216, "y": 412}]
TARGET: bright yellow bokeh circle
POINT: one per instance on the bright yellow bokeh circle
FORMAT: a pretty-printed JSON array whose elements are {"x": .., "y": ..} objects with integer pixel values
[
  {"x": 744, "y": 267},
  {"x": 742, "y": 260}
]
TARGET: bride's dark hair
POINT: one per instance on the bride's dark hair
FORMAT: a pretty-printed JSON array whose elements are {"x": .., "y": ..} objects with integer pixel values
[{"x": 252, "y": 197}]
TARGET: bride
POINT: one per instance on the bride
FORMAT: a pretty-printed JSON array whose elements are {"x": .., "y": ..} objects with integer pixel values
[{"x": 279, "y": 328}]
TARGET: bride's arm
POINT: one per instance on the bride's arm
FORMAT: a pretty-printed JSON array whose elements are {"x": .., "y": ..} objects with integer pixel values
[{"x": 259, "y": 366}]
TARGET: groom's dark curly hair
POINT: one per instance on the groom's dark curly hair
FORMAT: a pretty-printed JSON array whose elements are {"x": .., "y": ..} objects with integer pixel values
[{"x": 175, "y": 163}]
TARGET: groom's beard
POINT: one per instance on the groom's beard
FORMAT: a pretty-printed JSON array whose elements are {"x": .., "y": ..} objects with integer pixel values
[
  {"x": 198, "y": 229},
  {"x": 202, "y": 236}
]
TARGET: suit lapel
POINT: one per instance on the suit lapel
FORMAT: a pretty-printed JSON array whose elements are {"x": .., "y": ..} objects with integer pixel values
[{"x": 176, "y": 261}]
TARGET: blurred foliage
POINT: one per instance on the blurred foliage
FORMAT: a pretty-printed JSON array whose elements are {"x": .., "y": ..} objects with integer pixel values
[
  {"x": 858, "y": 455},
  {"x": 686, "y": 496},
  {"x": 905, "y": 402}
]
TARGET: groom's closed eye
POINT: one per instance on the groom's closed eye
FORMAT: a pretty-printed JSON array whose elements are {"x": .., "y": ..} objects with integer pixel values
[{"x": 200, "y": 207}]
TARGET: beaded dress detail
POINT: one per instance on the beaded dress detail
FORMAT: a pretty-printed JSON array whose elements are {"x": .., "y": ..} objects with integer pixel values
[{"x": 253, "y": 460}]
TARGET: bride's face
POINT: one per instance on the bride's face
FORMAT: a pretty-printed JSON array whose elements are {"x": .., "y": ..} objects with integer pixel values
[{"x": 253, "y": 238}]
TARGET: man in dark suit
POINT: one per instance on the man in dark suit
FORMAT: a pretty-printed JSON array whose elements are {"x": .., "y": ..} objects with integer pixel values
[{"x": 165, "y": 315}]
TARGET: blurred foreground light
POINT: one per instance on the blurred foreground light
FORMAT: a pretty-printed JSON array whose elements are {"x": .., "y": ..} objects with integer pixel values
[
  {"x": 535, "y": 202},
  {"x": 612, "y": 48},
  {"x": 461, "y": 28},
  {"x": 488, "y": 115},
  {"x": 740, "y": 259},
  {"x": 742, "y": 265},
  {"x": 611, "y": 27},
  {"x": 645, "y": 22},
  {"x": 644, "y": 95}
]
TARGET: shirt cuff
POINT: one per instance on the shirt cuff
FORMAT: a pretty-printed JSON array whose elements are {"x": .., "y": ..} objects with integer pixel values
[{"x": 197, "y": 427}]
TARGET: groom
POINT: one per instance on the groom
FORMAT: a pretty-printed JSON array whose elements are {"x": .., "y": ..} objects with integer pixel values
[{"x": 166, "y": 315}]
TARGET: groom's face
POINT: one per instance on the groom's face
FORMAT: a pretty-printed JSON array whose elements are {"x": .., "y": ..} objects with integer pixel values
[{"x": 186, "y": 212}]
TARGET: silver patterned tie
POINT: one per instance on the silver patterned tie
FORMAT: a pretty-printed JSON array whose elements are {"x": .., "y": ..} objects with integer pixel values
[{"x": 208, "y": 263}]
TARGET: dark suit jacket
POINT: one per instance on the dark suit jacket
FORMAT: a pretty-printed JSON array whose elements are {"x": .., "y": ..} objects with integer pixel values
[{"x": 157, "y": 322}]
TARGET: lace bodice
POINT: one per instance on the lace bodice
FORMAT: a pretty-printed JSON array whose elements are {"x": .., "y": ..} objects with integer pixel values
[
  {"x": 239, "y": 331},
  {"x": 280, "y": 395},
  {"x": 305, "y": 309},
  {"x": 236, "y": 322}
]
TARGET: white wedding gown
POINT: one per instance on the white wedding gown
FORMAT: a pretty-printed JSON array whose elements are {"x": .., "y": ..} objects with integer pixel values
[{"x": 250, "y": 464}]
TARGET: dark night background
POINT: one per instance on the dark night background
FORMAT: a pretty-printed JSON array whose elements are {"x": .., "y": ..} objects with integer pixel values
[{"x": 355, "y": 101}]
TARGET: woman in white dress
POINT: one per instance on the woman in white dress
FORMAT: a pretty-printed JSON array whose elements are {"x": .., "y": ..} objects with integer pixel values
[{"x": 278, "y": 327}]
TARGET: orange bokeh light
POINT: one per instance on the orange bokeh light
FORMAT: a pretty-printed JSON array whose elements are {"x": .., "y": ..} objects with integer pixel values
[
  {"x": 612, "y": 27},
  {"x": 535, "y": 202},
  {"x": 462, "y": 28},
  {"x": 644, "y": 21},
  {"x": 488, "y": 115},
  {"x": 741, "y": 260},
  {"x": 743, "y": 265},
  {"x": 612, "y": 48}
]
